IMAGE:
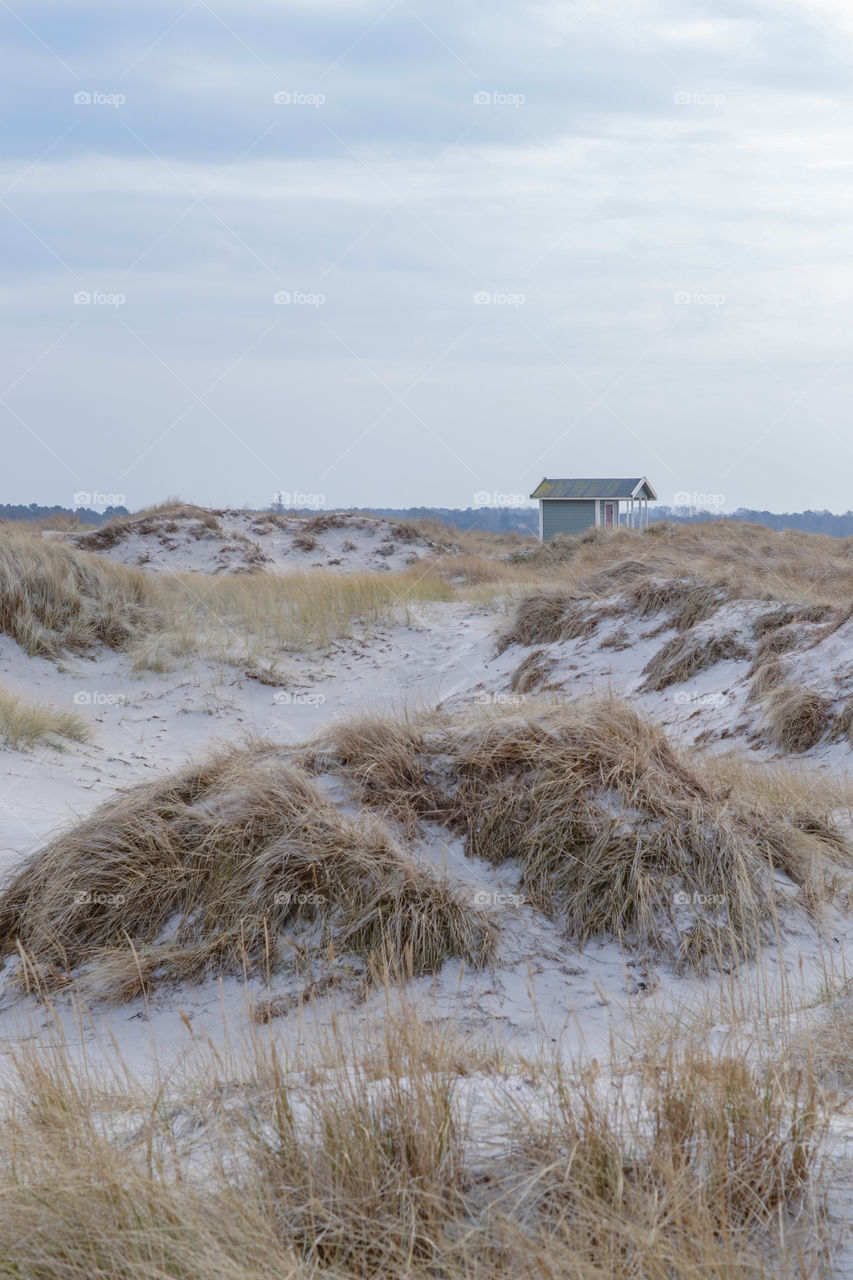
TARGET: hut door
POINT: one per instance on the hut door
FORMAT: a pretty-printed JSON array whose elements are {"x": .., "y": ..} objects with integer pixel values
[{"x": 608, "y": 515}]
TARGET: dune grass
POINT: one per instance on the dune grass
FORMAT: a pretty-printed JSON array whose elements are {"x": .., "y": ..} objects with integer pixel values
[
  {"x": 233, "y": 864},
  {"x": 797, "y": 717},
  {"x": 208, "y": 869},
  {"x": 683, "y": 657},
  {"x": 682, "y": 578},
  {"x": 549, "y": 617},
  {"x": 610, "y": 825},
  {"x": 766, "y": 674},
  {"x": 744, "y": 561},
  {"x": 304, "y": 611},
  {"x": 694, "y": 1164},
  {"x": 788, "y": 785},
  {"x": 24, "y": 724},
  {"x": 162, "y": 517},
  {"x": 252, "y": 619},
  {"x": 53, "y": 598}
]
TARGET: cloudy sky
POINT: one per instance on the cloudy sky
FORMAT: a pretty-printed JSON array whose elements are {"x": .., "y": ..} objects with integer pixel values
[{"x": 414, "y": 252}]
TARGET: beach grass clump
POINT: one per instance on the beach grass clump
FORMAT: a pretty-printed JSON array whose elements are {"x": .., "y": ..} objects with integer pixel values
[
  {"x": 415, "y": 1155},
  {"x": 54, "y": 598},
  {"x": 684, "y": 657},
  {"x": 797, "y": 717},
  {"x": 205, "y": 871},
  {"x": 611, "y": 827},
  {"x": 25, "y": 724}
]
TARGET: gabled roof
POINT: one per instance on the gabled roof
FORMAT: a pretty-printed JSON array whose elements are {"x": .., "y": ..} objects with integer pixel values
[{"x": 635, "y": 487}]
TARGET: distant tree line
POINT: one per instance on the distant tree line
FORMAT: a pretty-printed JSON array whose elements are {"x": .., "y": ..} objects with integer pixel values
[
  {"x": 35, "y": 512},
  {"x": 526, "y": 519},
  {"x": 837, "y": 526},
  {"x": 491, "y": 519},
  {"x": 497, "y": 519}
]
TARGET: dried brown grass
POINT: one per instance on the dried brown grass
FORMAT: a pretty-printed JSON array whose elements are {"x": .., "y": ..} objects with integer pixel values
[
  {"x": 690, "y": 1163},
  {"x": 54, "y": 598},
  {"x": 766, "y": 674},
  {"x": 842, "y": 727},
  {"x": 745, "y": 560},
  {"x": 738, "y": 1142},
  {"x": 797, "y": 717},
  {"x": 684, "y": 657},
  {"x": 207, "y": 870},
  {"x": 684, "y": 601},
  {"x": 24, "y": 724},
  {"x": 607, "y": 822},
  {"x": 786, "y": 615},
  {"x": 551, "y": 617},
  {"x": 533, "y": 672},
  {"x": 162, "y": 518}
]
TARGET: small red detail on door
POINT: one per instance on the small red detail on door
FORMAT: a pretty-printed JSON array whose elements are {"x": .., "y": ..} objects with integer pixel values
[{"x": 608, "y": 514}]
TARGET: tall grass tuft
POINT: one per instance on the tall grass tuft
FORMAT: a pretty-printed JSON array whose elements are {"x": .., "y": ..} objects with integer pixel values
[
  {"x": 54, "y": 598},
  {"x": 412, "y": 1158},
  {"x": 730, "y": 557},
  {"x": 683, "y": 657},
  {"x": 305, "y": 611},
  {"x": 797, "y": 718},
  {"x": 206, "y": 870},
  {"x": 24, "y": 724},
  {"x": 612, "y": 828}
]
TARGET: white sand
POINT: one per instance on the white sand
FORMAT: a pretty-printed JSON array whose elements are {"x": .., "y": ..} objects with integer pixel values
[{"x": 243, "y": 541}]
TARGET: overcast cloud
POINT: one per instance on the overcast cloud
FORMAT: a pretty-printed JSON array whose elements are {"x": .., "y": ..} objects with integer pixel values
[{"x": 508, "y": 240}]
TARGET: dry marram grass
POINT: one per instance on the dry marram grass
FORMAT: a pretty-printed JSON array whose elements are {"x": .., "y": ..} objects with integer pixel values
[
  {"x": 24, "y": 724},
  {"x": 683, "y": 657},
  {"x": 608, "y": 823},
  {"x": 745, "y": 561},
  {"x": 797, "y": 717},
  {"x": 695, "y": 1164},
  {"x": 610, "y": 827},
  {"x": 54, "y": 598},
  {"x": 206, "y": 871}
]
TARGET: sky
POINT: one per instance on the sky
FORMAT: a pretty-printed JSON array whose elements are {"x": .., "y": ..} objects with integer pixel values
[{"x": 424, "y": 253}]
